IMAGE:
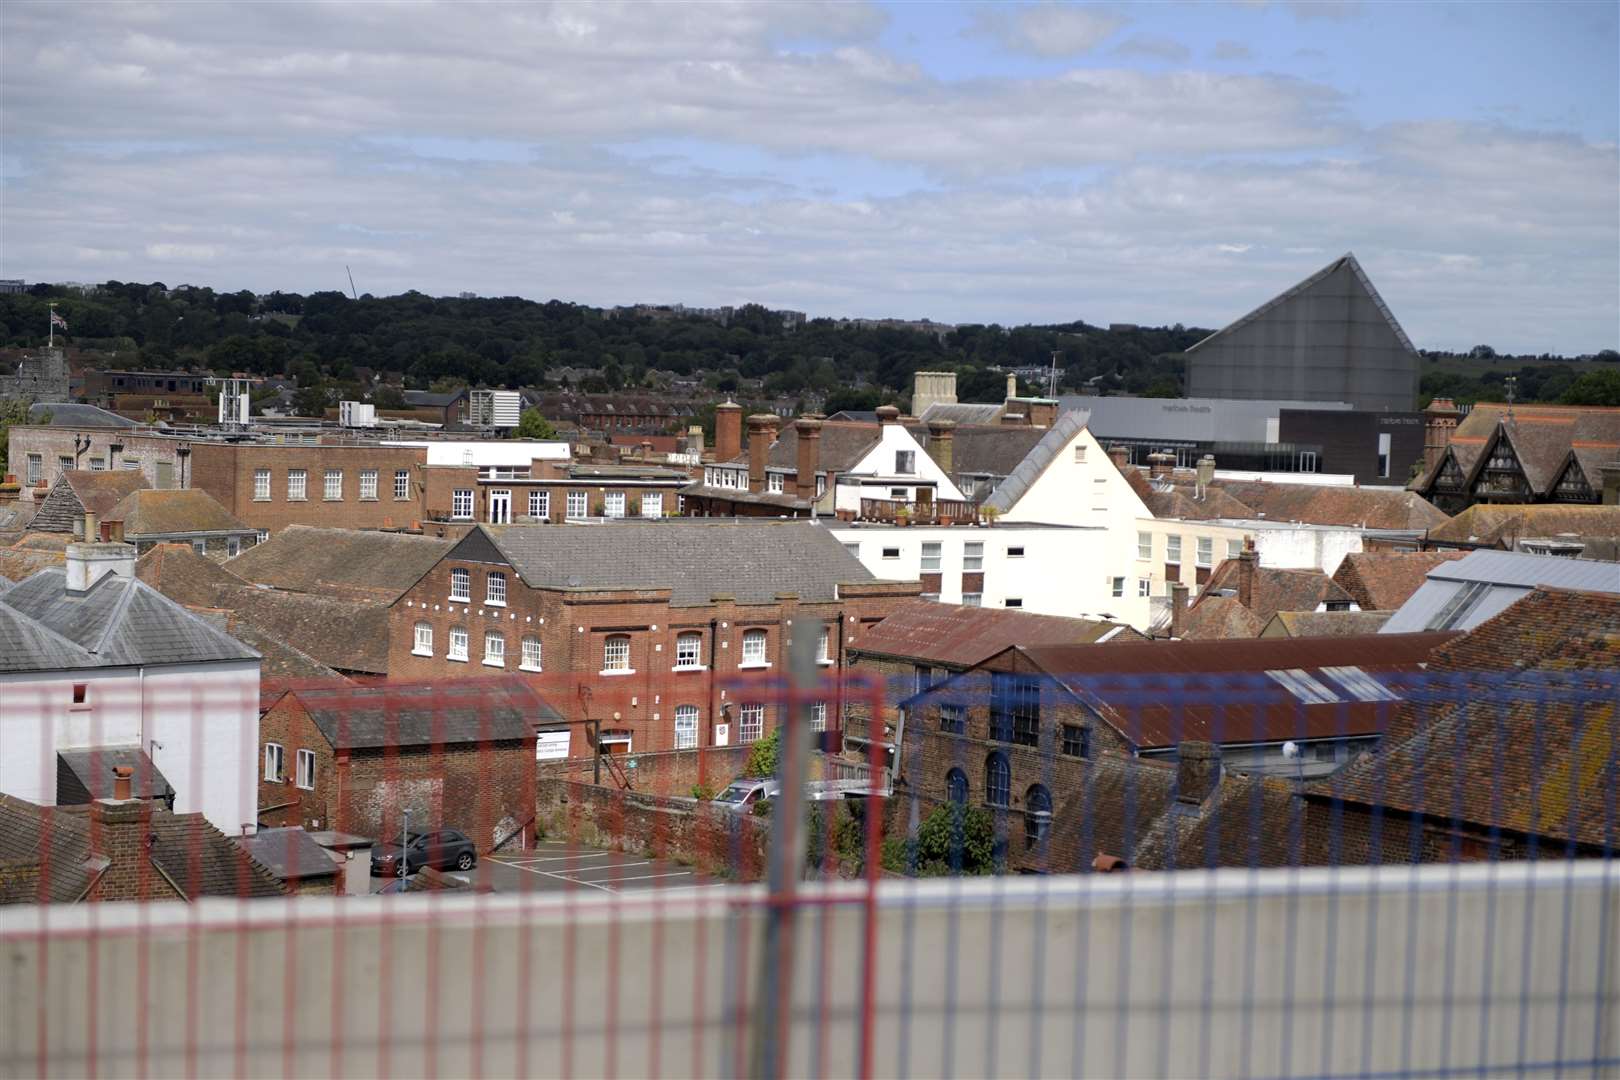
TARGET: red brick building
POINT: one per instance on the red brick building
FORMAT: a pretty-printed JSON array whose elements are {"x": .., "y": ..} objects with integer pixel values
[
  {"x": 551, "y": 491},
  {"x": 269, "y": 486},
  {"x": 647, "y": 630},
  {"x": 354, "y": 758}
]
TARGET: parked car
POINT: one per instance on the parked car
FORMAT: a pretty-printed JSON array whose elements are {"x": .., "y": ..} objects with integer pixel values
[
  {"x": 742, "y": 794},
  {"x": 442, "y": 849}
]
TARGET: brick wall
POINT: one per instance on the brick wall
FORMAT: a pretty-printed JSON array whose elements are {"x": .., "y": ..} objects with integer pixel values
[
  {"x": 282, "y": 802},
  {"x": 441, "y": 482},
  {"x": 226, "y": 471},
  {"x": 714, "y": 840},
  {"x": 669, "y": 772},
  {"x": 52, "y": 443},
  {"x": 118, "y": 832},
  {"x": 573, "y": 626}
]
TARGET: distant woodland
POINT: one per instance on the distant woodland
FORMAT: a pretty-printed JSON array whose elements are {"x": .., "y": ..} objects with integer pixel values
[{"x": 330, "y": 338}]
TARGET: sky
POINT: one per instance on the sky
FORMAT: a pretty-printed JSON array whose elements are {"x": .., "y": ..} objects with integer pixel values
[{"x": 1011, "y": 163}]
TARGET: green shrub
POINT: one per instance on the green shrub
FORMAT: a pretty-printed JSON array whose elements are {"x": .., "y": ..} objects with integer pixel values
[{"x": 766, "y": 755}]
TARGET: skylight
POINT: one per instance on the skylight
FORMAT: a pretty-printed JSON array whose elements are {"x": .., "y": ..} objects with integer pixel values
[
  {"x": 1360, "y": 685},
  {"x": 1304, "y": 686}
]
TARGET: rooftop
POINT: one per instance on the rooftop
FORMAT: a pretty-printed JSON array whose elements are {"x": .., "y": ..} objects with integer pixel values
[
  {"x": 1384, "y": 580},
  {"x": 183, "y": 512},
  {"x": 346, "y": 563},
  {"x": 1462, "y": 594},
  {"x": 471, "y": 711},
  {"x": 955, "y": 635}
]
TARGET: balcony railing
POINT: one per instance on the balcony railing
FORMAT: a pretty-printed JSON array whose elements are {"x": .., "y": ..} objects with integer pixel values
[{"x": 938, "y": 512}]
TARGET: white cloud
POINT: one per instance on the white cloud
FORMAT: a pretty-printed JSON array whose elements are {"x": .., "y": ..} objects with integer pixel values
[
  {"x": 1047, "y": 29},
  {"x": 1155, "y": 48}
]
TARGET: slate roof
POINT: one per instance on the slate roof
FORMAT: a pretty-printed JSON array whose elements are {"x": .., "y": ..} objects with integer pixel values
[
  {"x": 181, "y": 512},
  {"x": 984, "y": 449},
  {"x": 1504, "y": 524},
  {"x": 472, "y": 711},
  {"x": 1384, "y": 580},
  {"x": 1324, "y": 623},
  {"x": 1019, "y": 481},
  {"x": 963, "y": 412},
  {"x": 957, "y": 636},
  {"x": 194, "y": 855},
  {"x": 72, "y": 414},
  {"x": 1461, "y": 595},
  {"x": 696, "y": 558},
  {"x": 843, "y": 445},
  {"x": 429, "y": 399},
  {"x": 1160, "y": 693},
  {"x": 289, "y": 853},
  {"x": 345, "y": 563},
  {"x": 119, "y": 621},
  {"x": 1520, "y": 732},
  {"x": 25, "y": 645},
  {"x": 82, "y": 775}
]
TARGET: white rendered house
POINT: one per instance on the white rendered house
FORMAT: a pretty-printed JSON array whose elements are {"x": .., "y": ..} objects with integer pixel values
[{"x": 97, "y": 668}]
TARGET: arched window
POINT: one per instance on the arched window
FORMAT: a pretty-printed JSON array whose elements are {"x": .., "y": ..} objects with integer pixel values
[
  {"x": 1037, "y": 813},
  {"x": 956, "y": 787},
  {"x": 997, "y": 780},
  {"x": 616, "y": 653},
  {"x": 753, "y": 649},
  {"x": 424, "y": 639},
  {"x": 530, "y": 660},
  {"x": 686, "y": 727}
]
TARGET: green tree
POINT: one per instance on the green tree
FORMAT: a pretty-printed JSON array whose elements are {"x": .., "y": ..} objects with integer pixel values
[
  {"x": 311, "y": 400},
  {"x": 764, "y": 757},
  {"x": 1594, "y": 388},
  {"x": 12, "y": 411},
  {"x": 533, "y": 426}
]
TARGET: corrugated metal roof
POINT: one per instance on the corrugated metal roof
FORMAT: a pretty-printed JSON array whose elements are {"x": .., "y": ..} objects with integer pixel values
[
  {"x": 1498, "y": 579},
  {"x": 954, "y": 635}
]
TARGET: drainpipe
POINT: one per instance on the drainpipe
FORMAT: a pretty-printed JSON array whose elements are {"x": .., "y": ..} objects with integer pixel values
[{"x": 714, "y": 660}]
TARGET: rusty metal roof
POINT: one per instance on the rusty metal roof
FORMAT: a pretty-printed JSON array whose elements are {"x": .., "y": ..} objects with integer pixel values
[
  {"x": 957, "y": 636},
  {"x": 1160, "y": 693}
]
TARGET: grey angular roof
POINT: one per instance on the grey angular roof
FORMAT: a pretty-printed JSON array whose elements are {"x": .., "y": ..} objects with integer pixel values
[
  {"x": 289, "y": 853},
  {"x": 72, "y": 414},
  {"x": 963, "y": 412},
  {"x": 89, "y": 774},
  {"x": 1346, "y": 261},
  {"x": 25, "y": 645},
  {"x": 118, "y": 621},
  {"x": 696, "y": 558},
  {"x": 1019, "y": 481},
  {"x": 367, "y": 717},
  {"x": 1460, "y": 595}
]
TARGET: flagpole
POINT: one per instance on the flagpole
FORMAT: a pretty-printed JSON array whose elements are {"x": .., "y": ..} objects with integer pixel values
[{"x": 50, "y": 332}]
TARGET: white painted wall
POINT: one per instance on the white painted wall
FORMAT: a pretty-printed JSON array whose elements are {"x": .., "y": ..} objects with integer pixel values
[
  {"x": 880, "y": 461},
  {"x": 204, "y": 719},
  {"x": 488, "y": 452},
  {"x": 1087, "y": 489},
  {"x": 1280, "y": 545},
  {"x": 1063, "y": 571}
]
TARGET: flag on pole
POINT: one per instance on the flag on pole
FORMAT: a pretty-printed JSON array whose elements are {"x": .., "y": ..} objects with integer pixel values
[{"x": 57, "y": 320}]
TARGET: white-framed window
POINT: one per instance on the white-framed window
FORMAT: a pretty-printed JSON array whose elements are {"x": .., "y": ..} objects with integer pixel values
[
  {"x": 900, "y": 494},
  {"x": 297, "y": 485},
  {"x": 613, "y": 504},
  {"x": 1172, "y": 549},
  {"x": 1234, "y": 548},
  {"x": 1144, "y": 545},
  {"x": 36, "y": 469},
  {"x": 753, "y": 648},
  {"x": 274, "y": 760},
  {"x": 368, "y": 485},
  {"x": 64, "y": 462},
  {"x": 1119, "y": 586},
  {"x": 458, "y": 643},
  {"x": 333, "y": 490},
  {"x": 494, "y": 649},
  {"x": 576, "y": 504},
  {"x": 931, "y": 555},
  {"x": 98, "y": 464},
  {"x": 616, "y": 653},
  {"x": 686, "y": 727},
  {"x": 1144, "y": 586},
  {"x": 1206, "y": 550},
  {"x": 905, "y": 462},
  {"x": 750, "y": 723},
  {"x": 233, "y": 546},
  {"x": 200, "y": 546},
  {"x": 402, "y": 484},
  {"x": 689, "y": 649},
  {"x": 539, "y": 503},
  {"x": 972, "y": 599},
  {"x": 495, "y": 588},
  {"x": 652, "y": 505},
  {"x": 530, "y": 660},
  {"x": 305, "y": 763},
  {"x": 821, "y": 485},
  {"x": 461, "y": 504},
  {"x": 461, "y": 584},
  {"x": 818, "y": 716},
  {"x": 973, "y": 555},
  {"x": 264, "y": 534},
  {"x": 422, "y": 645},
  {"x": 129, "y": 463},
  {"x": 1079, "y": 453},
  {"x": 824, "y": 646},
  {"x": 261, "y": 485},
  {"x": 773, "y": 483}
]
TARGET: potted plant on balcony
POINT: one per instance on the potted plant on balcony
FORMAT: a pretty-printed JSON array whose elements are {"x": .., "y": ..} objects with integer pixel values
[
  {"x": 988, "y": 515},
  {"x": 632, "y": 506},
  {"x": 902, "y": 516}
]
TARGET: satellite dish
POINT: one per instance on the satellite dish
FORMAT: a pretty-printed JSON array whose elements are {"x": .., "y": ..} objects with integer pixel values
[{"x": 1291, "y": 750}]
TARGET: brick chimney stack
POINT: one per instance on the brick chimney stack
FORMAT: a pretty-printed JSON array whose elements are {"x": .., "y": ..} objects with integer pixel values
[
  {"x": 942, "y": 444},
  {"x": 761, "y": 434},
  {"x": 1120, "y": 456},
  {"x": 1161, "y": 463},
  {"x": 1246, "y": 564},
  {"x": 809, "y": 433},
  {"x": 1198, "y": 771},
  {"x": 727, "y": 431},
  {"x": 118, "y": 833},
  {"x": 888, "y": 414},
  {"x": 1178, "y": 609},
  {"x": 1439, "y": 425}
]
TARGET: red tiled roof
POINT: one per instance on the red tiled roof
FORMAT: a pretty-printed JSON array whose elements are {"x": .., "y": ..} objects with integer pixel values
[
  {"x": 958, "y": 636},
  {"x": 1384, "y": 580}
]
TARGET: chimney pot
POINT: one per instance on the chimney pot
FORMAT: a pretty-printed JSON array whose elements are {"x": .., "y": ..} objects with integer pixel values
[
  {"x": 888, "y": 414},
  {"x": 1120, "y": 455},
  {"x": 808, "y": 430},
  {"x": 761, "y": 434},
  {"x": 1246, "y": 564},
  {"x": 123, "y": 788},
  {"x": 1178, "y": 609},
  {"x": 727, "y": 431}
]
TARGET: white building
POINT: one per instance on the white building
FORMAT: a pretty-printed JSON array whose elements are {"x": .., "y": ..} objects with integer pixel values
[{"x": 94, "y": 661}]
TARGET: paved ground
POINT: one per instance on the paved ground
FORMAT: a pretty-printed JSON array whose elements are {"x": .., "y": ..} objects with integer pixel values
[{"x": 556, "y": 867}]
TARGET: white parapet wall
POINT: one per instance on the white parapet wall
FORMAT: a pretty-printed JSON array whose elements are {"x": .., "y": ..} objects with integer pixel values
[{"x": 1478, "y": 970}]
